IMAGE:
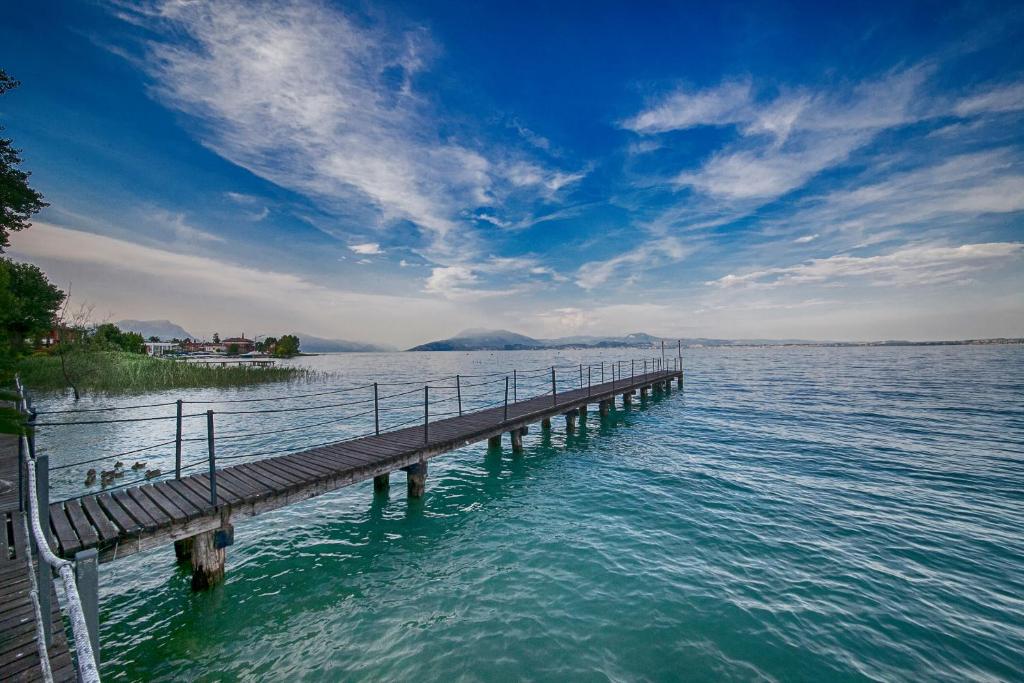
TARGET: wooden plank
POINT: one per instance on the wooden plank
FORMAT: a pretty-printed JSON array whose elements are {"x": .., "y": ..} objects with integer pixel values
[
  {"x": 225, "y": 490},
  {"x": 63, "y": 531},
  {"x": 83, "y": 527},
  {"x": 200, "y": 485},
  {"x": 190, "y": 509},
  {"x": 242, "y": 474},
  {"x": 297, "y": 477},
  {"x": 164, "y": 503},
  {"x": 106, "y": 529},
  {"x": 146, "y": 504},
  {"x": 132, "y": 507},
  {"x": 287, "y": 477},
  {"x": 265, "y": 477},
  {"x": 199, "y": 502},
  {"x": 118, "y": 514},
  {"x": 247, "y": 490}
]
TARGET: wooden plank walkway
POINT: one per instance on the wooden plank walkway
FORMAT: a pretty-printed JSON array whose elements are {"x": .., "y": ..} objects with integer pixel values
[
  {"x": 129, "y": 520},
  {"x": 19, "y": 650}
]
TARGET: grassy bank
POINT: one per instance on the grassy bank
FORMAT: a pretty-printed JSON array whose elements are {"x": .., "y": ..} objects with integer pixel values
[{"x": 116, "y": 371}]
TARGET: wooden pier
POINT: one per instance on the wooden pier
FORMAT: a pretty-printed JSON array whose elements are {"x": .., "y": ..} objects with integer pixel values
[
  {"x": 197, "y": 514},
  {"x": 19, "y": 648}
]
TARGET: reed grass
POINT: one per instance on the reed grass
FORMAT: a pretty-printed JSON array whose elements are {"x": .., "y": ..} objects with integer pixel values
[{"x": 121, "y": 372}]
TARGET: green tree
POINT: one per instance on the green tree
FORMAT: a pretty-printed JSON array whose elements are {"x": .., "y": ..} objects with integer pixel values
[
  {"x": 29, "y": 303},
  {"x": 111, "y": 338},
  {"x": 216, "y": 338},
  {"x": 233, "y": 349},
  {"x": 18, "y": 201},
  {"x": 287, "y": 345}
]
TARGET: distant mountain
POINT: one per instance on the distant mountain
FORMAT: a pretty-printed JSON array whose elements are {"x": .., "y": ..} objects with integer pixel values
[
  {"x": 164, "y": 329},
  {"x": 503, "y": 340},
  {"x": 483, "y": 340},
  {"x": 310, "y": 344}
]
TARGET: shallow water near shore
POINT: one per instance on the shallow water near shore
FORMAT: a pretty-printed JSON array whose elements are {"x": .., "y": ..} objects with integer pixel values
[{"x": 795, "y": 514}]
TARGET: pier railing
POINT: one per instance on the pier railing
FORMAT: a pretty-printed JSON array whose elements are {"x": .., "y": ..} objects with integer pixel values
[
  {"x": 245, "y": 428},
  {"x": 79, "y": 578}
]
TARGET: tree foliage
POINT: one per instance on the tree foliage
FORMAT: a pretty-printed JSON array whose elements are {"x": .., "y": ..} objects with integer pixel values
[
  {"x": 18, "y": 201},
  {"x": 28, "y": 303},
  {"x": 287, "y": 345},
  {"x": 109, "y": 337}
]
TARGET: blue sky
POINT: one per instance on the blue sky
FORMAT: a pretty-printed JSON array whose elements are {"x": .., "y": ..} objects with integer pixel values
[{"x": 398, "y": 171}]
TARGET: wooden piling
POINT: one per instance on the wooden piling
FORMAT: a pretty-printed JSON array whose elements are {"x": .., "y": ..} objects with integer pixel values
[
  {"x": 183, "y": 550},
  {"x": 545, "y": 424},
  {"x": 382, "y": 482},
  {"x": 494, "y": 441},
  {"x": 207, "y": 560},
  {"x": 627, "y": 399},
  {"x": 417, "y": 476},
  {"x": 603, "y": 407},
  {"x": 570, "y": 422},
  {"x": 517, "y": 440}
]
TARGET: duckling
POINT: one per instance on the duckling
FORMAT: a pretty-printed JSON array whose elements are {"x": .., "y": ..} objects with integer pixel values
[
  {"x": 106, "y": 478},
  {"x": 118, "y": 465},
  {"x": 118, "y": 473},
  {"x": 90, "y": 477},
  {"x": 152, "y": 473},
  {"x": 138, "y": 465}
]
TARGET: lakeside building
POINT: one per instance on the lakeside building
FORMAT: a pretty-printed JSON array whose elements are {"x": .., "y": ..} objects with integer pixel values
[
  {"x": 160, "y": 348},
  {"x": 240, "y": 344}
]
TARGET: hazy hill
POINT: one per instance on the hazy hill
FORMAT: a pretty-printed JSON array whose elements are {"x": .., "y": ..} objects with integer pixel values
[
  {"x": 164, "y": 329},
  {"x": 311, "y": 344},
  {"x": 478, "y": 340}
]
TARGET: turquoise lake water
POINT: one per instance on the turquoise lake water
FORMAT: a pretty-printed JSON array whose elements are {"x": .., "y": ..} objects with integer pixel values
[{"x": 802, "y": 514}]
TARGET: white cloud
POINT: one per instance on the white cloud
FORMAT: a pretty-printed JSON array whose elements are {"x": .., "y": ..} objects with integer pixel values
[
  {"x": 367, "y": 248},
  {"x": 785, "y": 140},
  {"x": 176, "y": 226},
  {"x": 198, "y": 292},
  {"x": 1004, "y": 98},
  {"x": 458, "y": 283},
  {"x": 650, "y": 254},
  {"x": 913, "y": 265},
  {"x": 806, "y": 238},
  {"x": 726, "y": 104}
]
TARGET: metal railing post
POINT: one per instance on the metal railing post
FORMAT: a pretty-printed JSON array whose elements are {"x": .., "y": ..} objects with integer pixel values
[
  {"x": 554, "y": 387},
  {"x": 515, "y": 386},
  {"x": 458, "y": 392},
  {"x": 645, "y": 368},
  {"x": 662, "y": 352},
  {"x": 87, "y": 580},
  {"x": 505, "y": 419},
  {"x": 44, "y": 575},
  {"x": 213, "y": 457},
  {"x": 426, "y": 413},
  {"x": 376, "y": 411},
  {"x": 632, "y": 366},
  {"x": 177, "y": 440},
  {"x": 581, "y": 375},
  {"x": 602, "y": 372},
  {"x": 588, "y": 380}
]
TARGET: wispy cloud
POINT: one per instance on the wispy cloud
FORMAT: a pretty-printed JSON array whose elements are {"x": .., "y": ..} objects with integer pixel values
[
  {"x": 302, "y": 95},
  {"x": 649, "y": 254},
  {"x": 366, "y": 248},
  {"x": 916, "y": 265}
]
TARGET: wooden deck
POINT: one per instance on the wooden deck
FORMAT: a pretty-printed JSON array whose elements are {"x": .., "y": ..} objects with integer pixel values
[
  {"x": 129, "y": 520},
  {"x": 19, "y": 651}
]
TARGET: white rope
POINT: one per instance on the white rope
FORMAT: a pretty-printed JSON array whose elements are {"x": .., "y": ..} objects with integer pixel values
[
  {"x": 87, "y": 671},
  {"x": 44, "y": 658}
]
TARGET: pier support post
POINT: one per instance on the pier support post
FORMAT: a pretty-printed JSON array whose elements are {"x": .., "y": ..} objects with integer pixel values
[
  {"x": 583, "y": 412},
  {"x": 627, "y": 399},
  {"x": 183, "y": 550},
  {"x": 570, "y": 422},
  {"x": 517, "y": 440},
  {"x": 545, "y": 424},
  {"x": 643, "y": 393},
  {"x": 603, "y": 408},
  {"x": 382, "y": 482},
  {"x": 679, "y": 381},
  {"x": 494, "y": 441},
  {"x": 209, "y": 553},
  {"x": 417, "y": 476}
]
